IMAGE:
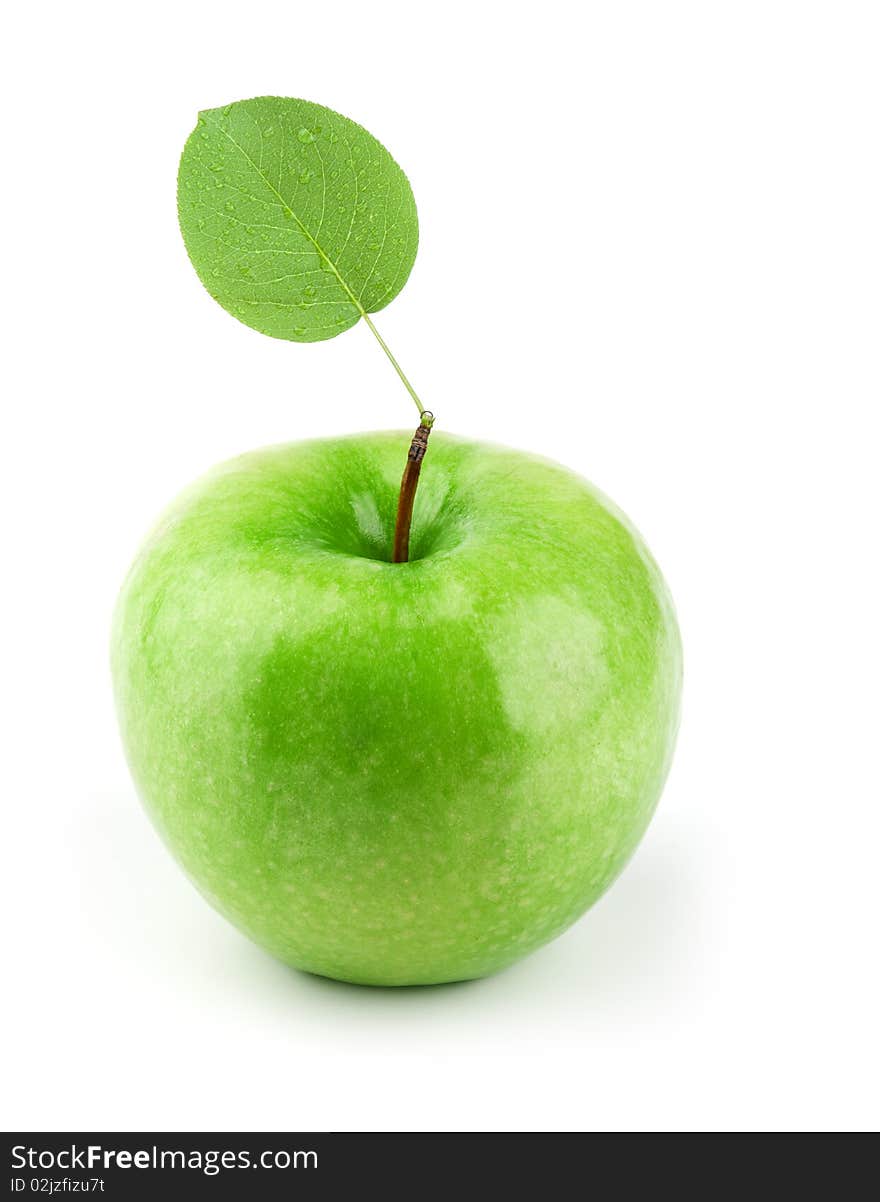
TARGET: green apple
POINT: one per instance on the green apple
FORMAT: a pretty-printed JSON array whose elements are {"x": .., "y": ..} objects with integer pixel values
[{"x": 397, "y": 773}]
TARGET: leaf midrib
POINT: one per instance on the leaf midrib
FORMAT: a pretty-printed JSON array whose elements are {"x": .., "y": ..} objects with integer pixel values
[{"x": 286, "y": 206}]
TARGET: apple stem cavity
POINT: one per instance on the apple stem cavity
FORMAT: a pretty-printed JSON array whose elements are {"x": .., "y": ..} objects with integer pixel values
[{"x": 408, "y": 486}]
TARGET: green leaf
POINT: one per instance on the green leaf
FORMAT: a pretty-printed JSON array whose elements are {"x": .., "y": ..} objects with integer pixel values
[{"x": 297, "y": 220}]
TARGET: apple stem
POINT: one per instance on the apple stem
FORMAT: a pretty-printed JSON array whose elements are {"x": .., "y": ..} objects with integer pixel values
[{"x": 408, "y": 486}]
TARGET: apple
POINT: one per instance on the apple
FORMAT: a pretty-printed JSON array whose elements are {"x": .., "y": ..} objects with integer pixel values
[{"x": 397, "y": 773}]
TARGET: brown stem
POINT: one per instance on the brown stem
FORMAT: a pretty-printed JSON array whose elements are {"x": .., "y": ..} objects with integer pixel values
[{"x": 408, "y": 486}]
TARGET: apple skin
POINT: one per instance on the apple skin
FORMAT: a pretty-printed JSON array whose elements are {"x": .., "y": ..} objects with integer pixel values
[{"x": 385, "y": 773}]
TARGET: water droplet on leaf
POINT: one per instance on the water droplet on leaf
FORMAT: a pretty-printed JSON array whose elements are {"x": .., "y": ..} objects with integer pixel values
[{"x": 305, "y": 136}]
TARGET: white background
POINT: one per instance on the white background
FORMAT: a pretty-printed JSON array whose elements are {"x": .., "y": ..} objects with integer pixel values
[{"x": 650, "y": 250}]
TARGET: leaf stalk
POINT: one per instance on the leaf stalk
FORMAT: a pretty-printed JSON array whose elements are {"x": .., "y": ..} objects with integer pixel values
[{"x": 387, "y": 349}]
